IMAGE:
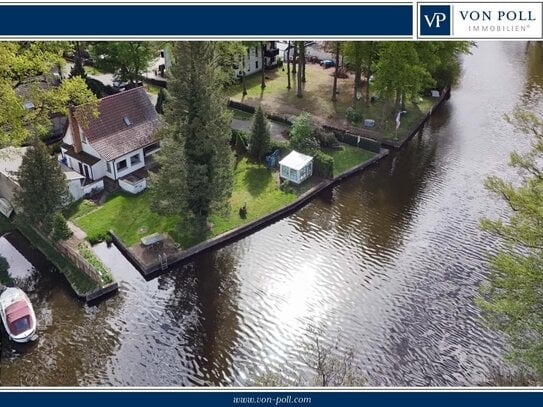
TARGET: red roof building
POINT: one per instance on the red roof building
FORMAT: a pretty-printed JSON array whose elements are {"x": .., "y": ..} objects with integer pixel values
[{"x": 117, "y": 143}]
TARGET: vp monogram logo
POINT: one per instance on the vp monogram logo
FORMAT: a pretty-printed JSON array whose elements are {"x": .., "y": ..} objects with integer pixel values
[{"x": 435, "y": 20}]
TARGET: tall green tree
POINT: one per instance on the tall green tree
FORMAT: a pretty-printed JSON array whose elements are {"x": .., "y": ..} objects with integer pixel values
[
  {"x": 260, "y": 136},
  {"x": 198, "y": 131},
  {"x": 512, "y": 300},
  {"x": 400, "y": 73},
  {"x": 302, "y": 135},
  {"x": 43, "y": 187},
  {"x": 127, "y": 60},
  {"x": 441, "y": 59},
  {"x": 25, "y": 67},
  {"x": 78, "y": 69},
  {"x": 361, "y": 55}
]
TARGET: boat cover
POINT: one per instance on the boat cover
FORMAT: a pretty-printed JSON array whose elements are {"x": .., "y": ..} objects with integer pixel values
[{"x": 18, "y": 317}]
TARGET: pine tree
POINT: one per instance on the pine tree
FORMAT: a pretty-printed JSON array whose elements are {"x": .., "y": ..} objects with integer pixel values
[
  {"x": 511, "y": 300},
  {"x": 198, "y": 134},
  {"x": 77, "y": 69},
  {"x": 44, "y": 189},
  {"x": 260, "y": 136},
  {"x": 60, "y": 229}
]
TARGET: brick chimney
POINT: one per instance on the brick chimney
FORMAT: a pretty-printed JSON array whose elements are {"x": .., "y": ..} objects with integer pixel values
[{"x": 76, "y": 136}]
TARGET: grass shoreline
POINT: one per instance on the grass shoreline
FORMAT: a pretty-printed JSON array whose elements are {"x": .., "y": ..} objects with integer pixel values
[{"x": 256, "y": 186}]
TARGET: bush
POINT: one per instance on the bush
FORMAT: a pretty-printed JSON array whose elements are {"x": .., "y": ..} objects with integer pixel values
[
  {"x": 286, "y": 187},
  {"x": 323, "y": 165},
  {"x": 88, "y": 254},
  {"x": 302, "y": 138},
  {"x": 99, "y": 89},
  {"x": 326, "y": 139},
  {"x": 353, "y": 115},
  {"x": 239, "y": 140},
  {"x": 278, "y": 145},
  {"x": 98, "y": 237},
  {"x": 60, "y": 229}
]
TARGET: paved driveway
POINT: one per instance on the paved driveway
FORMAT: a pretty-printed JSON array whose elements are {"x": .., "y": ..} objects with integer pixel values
[{"x": 276, "y": 129}]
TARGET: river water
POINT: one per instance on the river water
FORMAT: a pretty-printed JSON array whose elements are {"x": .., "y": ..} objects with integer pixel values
[{"x": 387, "y": 264}]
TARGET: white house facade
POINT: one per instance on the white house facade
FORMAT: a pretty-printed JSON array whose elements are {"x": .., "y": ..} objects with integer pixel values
[
  {"x": 117, "y": 143},
  {"x": 252, "y": 62}
]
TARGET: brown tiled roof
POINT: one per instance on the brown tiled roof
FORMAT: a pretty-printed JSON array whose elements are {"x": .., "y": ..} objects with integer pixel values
[{"x": 110, "y": 136}]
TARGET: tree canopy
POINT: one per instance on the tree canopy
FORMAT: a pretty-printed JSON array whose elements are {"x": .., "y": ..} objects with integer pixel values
[
  {"x": 198, "y": 134},
  {"x": 127, "y": 60},
  {"x": 302, "y": 135},
  {"x": 28, "y": 90},
  {"x": 43, "y": 186},
  {"x": 512, "y": 300},
  {"x": 260, "y": 136}
]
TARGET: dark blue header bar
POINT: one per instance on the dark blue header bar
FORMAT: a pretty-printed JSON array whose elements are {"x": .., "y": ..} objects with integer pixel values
[{"x": 35, "y": 21}]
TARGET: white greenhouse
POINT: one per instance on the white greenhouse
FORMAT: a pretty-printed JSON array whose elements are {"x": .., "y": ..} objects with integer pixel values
[{"x": 296, "y": 167}]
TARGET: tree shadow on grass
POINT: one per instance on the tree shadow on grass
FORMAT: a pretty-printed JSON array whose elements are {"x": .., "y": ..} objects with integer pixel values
[{"x": 257, "y": 179}]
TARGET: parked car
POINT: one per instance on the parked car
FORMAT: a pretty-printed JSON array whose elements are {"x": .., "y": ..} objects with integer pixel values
[{"x": 327, "y": 63}]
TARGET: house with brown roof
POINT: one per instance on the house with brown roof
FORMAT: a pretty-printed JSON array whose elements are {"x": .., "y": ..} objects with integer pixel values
[{"x": 118, "y": 144}]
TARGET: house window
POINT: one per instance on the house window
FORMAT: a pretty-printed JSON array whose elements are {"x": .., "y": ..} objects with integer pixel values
[
  {"x": 256, "y": 52},
  {"x": 121, "y": 165},
  {"x": 256, "y": 64},
  {"x": 248, "y": 52},
  {"x": 108, "y": 167},
  {"x": 135, "y": 159}
]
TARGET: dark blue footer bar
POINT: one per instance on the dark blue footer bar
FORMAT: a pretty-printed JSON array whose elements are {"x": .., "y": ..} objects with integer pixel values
[
  {"x": 206, "y": 20},
  {"x": 276, "y": 398}
]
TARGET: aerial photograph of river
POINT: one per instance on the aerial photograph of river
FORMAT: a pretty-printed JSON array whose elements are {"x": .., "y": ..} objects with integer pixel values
[{"x": 385, "y": 266}]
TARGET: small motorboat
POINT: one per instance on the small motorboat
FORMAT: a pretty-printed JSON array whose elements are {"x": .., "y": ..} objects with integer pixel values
[{"x": 17, "y": 315}]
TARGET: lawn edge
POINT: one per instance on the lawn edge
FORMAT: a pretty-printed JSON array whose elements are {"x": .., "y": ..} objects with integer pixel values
[{"x": 152, "y": 270}]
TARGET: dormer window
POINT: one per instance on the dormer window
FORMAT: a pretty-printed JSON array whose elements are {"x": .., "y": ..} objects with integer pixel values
[{"x": 127, "y": 120}]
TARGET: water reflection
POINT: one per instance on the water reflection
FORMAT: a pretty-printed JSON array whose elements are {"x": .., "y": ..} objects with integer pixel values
[
  {"x": 391, "y": 259},
  {"x": 66, "y": 349}
]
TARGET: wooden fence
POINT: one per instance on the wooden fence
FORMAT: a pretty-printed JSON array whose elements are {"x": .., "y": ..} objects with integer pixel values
[{"x": 80, "y": 262}]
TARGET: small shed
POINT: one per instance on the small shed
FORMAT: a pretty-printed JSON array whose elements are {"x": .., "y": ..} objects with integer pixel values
[{"x": 296, "y": 167}]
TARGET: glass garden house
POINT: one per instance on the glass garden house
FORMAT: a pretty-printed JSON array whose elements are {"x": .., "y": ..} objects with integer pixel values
[{"x": 296, "y": 167}]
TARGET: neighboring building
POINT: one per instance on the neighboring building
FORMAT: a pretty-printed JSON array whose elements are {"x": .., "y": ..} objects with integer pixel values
[
  {"x": 253, "y": 59},
  {"x": 118, "y": 144},
  {"x": 296, "y": 167},
  {"x": 11, "y": 159}
]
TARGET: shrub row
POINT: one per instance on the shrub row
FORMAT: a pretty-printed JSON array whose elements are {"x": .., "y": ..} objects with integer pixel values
[
  {"x": 323, "y": 165},
  {"x": 88, "y": 254},
  {"x": 355, "y": 140}
]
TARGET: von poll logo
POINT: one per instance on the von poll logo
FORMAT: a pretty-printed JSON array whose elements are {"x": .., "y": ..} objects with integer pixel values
[{"x": 435, "y": 20}]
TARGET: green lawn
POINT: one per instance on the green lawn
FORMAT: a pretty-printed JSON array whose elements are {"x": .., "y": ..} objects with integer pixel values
[
  {"x": 257, "y": 186},
  {"x": 130, "y": 216},
  {"x": 127, "y": 215},
  {"x": 348, "y": 157},
  {"x": 79, "y": 208}
]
